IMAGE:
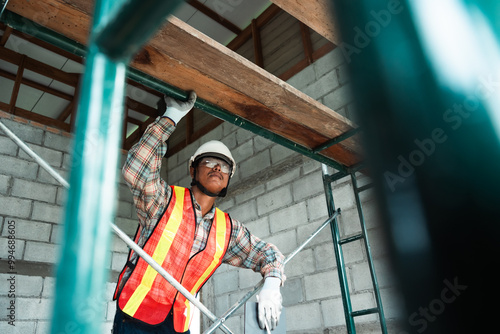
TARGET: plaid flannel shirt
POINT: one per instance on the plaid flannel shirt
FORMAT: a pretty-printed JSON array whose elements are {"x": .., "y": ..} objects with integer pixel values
[{"x": 151, "y": 195}]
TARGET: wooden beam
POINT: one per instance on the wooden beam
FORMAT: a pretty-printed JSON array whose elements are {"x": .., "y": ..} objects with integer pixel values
[
  {"x": 316, "y": 14},
  {"x": 246, "y": 34},
  {"x": 306, "y": 41},
  {"x": 144, "y": 88},
  {"x": 257, "y": 44},
  {"x": 48, "y": 46},
  {"x": 215, "y": 16},
  {"x": 196, "y": 135},
  {"x": 6, "y": 35},
  {"x": 39, "y": 67},
  {"x": 133, "y": 121},
  {"x": 67, "y": 111},
  {"x": 36, "y": 85},
  {"x": 140, "y": 107},
  {"x": 218, "y": 75},
  {"x": 36, "y": 117},
  {"x": 17, "y": 83},
  {"x": 136, "y": 135}
]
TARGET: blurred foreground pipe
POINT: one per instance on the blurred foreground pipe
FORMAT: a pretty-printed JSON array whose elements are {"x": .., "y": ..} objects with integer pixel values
[{"x": 426, "y": 80}]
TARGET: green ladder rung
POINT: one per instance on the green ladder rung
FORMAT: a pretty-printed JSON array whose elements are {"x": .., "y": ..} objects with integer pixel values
[
  {"x": 365, "y": 187},
  {"x": 351, "y": 239},
  {"x": 365, "y": 312}
]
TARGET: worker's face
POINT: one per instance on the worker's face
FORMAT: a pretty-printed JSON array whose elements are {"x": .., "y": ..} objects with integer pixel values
[{"x": 212, "y": 173}]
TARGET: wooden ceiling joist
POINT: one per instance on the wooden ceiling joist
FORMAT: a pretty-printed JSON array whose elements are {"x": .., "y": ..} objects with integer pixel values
[
  {"x": 316, "y": 14},
  {"x": 185, "y": 58},
  {"x": 214, "y": 16}
]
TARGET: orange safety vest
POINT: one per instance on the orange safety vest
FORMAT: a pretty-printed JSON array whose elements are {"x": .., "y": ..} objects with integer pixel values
[{"x": 146, "y": 295}]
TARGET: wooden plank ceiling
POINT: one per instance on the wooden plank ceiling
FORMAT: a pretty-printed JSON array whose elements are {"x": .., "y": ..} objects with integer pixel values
[{"x": 183, "y": 57}]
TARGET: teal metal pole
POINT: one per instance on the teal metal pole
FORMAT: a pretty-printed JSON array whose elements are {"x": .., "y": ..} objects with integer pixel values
[
  {"x": 132, "y": 25},
  {"x": 429, "y": 109},
  {"x": 81, "y": 274},
  {"x": 4, "y": 5}
]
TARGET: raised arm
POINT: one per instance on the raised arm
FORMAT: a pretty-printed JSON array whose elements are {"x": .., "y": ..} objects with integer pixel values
[
  {"x": 141, "y": 171},
  {"x": 142, "y": 168}
]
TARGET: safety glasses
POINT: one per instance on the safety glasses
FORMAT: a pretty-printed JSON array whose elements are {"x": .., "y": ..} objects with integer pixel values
[{"x": 210, "y": 162}]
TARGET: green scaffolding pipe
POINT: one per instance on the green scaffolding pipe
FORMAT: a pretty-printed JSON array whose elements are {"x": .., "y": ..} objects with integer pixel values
[
  {"x": 24, "y": 25},
  {"x": 336, "y": 140},
  {"x": 339, "y": 257},
  {"x": 81, "y": 273},
  {"x": 376, "y": 290}
]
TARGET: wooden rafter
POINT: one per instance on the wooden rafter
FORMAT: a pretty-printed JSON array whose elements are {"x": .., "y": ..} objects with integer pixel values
[
  {"x": 218, "y": 75},
  {"x": 317, "y": 14},
  {"x": 31, "y": 64},
  {"x": 257, "y": 44},
  {"x": 17, "y": 83},
  {"x": 37, "y": 86},
  {"x": 215, "y": 16},
  {"x": 306, "y": 41},
  {"x": 37, "y": 117},
  {"x": 246, "y": 33},
  {"x": 67, "y": 111},
  {"x": 6, "y": 34}
]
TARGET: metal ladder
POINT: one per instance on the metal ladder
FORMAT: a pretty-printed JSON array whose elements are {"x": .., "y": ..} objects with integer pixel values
[{"x": 338, "y": 242}]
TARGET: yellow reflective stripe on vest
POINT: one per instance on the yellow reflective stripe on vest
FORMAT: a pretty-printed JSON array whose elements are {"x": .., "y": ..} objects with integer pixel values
[
  {"x": 159, "y": 254},
  {"x": 220, "y": 230}
]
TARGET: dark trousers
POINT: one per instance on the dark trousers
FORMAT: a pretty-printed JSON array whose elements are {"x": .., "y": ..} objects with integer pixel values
[{"x": 124, "y": 324}]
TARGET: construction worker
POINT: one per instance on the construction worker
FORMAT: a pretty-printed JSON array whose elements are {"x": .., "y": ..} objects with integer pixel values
[{"x": 184, "y": 232}]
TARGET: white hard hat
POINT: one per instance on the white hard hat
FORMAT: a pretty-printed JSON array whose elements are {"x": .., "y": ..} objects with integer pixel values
[{"x": 216, "y": 149}]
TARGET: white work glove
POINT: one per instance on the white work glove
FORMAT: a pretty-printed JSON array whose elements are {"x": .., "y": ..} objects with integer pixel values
[
  {"x": 269, "y": 300},
  {"x": 177, "y": 109}
]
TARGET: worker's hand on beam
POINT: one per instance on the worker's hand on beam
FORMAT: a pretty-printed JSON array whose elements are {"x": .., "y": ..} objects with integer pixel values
[
  {"x": 176, "y": 109},
  {"x": 269, "y": 300}
]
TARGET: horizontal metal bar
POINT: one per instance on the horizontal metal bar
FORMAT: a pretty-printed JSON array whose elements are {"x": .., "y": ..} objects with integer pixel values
[
  {"x": 364, "y": 312},
  {"x": 334, "y": 177},
  {"x": 32, "y": 154},
  {"x": 259, "y": 285},
  {"x": 363, "y": 188},
  {"x": 312, "y": 236},
  {"x": 24, "y": 25},
  {"x": 118, "y": 232},
  {"x": 336, "y": 140},
  {"x": 166, "y": 275},
  {"x": 351, "y": 239}
]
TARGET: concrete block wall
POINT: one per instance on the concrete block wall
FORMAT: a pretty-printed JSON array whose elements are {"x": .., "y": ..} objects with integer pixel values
[
  {"x": 31, "y": 212},
  {"x": 278, "y": 194}
]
